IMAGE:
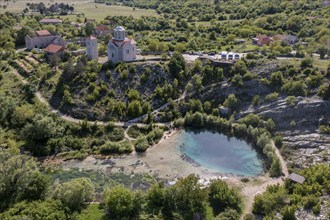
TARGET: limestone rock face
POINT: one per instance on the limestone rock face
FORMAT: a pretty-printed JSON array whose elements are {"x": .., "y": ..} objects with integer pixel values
[
  {"x": 300, "y": 128},
  {"x": 307, "y": 114}
]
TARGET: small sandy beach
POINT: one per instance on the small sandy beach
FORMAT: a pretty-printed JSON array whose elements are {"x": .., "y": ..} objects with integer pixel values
[{"x": 163, "y": 160}]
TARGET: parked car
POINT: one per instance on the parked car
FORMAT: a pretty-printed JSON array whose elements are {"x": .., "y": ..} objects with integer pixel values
[
  {"x": 230, "y": 56},
  {"x": 236, "y": 56},
  {"x": 223, "y": 55},
  {"x": 211, "y": 54}
]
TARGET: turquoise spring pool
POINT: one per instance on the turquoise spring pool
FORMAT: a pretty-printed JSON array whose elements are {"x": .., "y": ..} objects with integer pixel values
[{"x": 220, "y": 153}]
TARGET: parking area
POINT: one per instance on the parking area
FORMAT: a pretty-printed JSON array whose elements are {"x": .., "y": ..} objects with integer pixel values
[{"x": 216, "y": 56}]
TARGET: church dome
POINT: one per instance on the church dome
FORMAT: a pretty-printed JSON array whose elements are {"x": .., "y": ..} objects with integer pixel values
[
  {"x": 119, "y": 33},
  {"x": 119, "y": 28}
]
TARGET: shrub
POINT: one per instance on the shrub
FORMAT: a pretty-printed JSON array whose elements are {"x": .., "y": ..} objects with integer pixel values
[
  {"x": 110, "y": 147},
  {"x": 275, "y": 169},
  {"x": 276, "y": 79},
  {"x": 291, "y": 101},
  {"x": 325, "y": 129},
  {"x": 141, "y": 144},
  {"x": 278, "y": 140},
  {"x": 117, "y": 134},
  {"x": 232, "y": 102},
  {"x": 155, "y": 135},
  {"x": 297, "y": 88},
  {"x": 256, "y": 100},
  {"x": 324, "y": 91},
  {"x": 271, "y": 97}
]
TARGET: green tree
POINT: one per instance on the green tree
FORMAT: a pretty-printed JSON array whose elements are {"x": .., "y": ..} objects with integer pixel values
[
  {"x": 275, "y": 168},
  {"x": 156, "y": 198},
  {"x": 133, "y": 94},
  {"x": 122, "y": 203},
  {"x": 288, "y": 213},
  {"x": 323, "y": 51},
  {"x": 21, "y": 115},
  {"x": 222, "y": 198},
  {"x": 176, "y": 65},
  {"x": 228, "y": 214},
  {"x": 37, "y": 210},
  {"x": 180, "y": 47},
  {"x": 20, "y": 180},
  {"x": 324, "y": 91},
  {"x": 141, "y": 144},
  {"x": 256, "y": 100},
  {"x": 231, "y": 102},
  {"x": 21, "y": 34},
  {"x": 239, "y": 68},
  {"x": 306, "y": 63},
  {"x": 276, "y": 79},
  {"x": 185, "y": 198},
  {"x": 75, "y": 193},
  {"x": 134, "y": 109},
  {"x": 89, "y": 29},
  {"x": 37, "y": 133},
  {"x": 54, "y": 60}
]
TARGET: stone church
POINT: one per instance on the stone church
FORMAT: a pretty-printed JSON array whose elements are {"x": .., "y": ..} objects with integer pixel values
[{"x": 121, "y": 48}]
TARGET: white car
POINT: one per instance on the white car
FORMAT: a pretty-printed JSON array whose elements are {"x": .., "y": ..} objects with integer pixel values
[
  {"x": 223, "y": 55},
  {"x": 230, "y": 56}
]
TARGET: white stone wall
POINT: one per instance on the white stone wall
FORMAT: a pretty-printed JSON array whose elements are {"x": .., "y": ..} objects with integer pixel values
[{"x": 42, "y": 42}]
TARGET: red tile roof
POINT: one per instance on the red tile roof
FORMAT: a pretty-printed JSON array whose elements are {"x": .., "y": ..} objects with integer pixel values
[
  {"x": 43, "y": 33},
  {"x": 102, "y": 28},
  {"x": 54, "y": 48}
]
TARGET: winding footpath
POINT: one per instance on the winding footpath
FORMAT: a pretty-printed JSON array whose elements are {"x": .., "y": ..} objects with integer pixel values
[{"x": 250, "y": 191}]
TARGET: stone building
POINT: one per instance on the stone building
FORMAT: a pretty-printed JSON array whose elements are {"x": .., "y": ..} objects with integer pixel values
[
  {"x": 121, "y": 48},
  {"x": 91, "y": 48},
  {"x": 53, "y": 21},
  {"x": 42, "y": 39}
]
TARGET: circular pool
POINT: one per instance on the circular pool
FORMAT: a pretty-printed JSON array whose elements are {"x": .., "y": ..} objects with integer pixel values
[{"x": 219, "y": 152}]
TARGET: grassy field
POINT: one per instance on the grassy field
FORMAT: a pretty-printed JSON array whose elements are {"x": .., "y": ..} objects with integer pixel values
[{"x": 88, "y": 8}]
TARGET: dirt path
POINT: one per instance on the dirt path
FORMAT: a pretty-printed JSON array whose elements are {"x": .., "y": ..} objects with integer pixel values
[{"x": 249, "y": 191}]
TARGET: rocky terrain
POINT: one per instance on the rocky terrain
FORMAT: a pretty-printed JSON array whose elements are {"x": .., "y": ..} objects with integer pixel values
[
  {"x": 112, "y": 87},
  {"x": 299, "y": 126}
]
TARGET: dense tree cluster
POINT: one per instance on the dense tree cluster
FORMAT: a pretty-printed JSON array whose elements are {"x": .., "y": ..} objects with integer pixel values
[{"x": 293, "y": 196}]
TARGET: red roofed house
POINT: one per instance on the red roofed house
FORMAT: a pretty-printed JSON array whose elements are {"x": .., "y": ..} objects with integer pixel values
[
  {"x": 54, "y": 49},
  {"x": 42, "y": 39},
  {"x": 54, "y": 21},
  {"x": 121, "y": 48},
  {"x": 261, "y": 40},
  {"x": 102, "y": 30}
]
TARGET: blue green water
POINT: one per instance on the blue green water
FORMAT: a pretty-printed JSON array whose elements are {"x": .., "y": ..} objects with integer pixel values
[{"x": 220, "y": 153}]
